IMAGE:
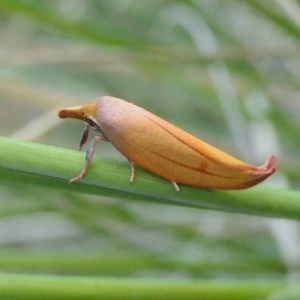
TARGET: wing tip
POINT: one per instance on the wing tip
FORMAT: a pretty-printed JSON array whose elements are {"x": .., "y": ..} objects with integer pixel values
[
  {"x": 261, "y": 173},
  {"x": 269, "y": 167}
]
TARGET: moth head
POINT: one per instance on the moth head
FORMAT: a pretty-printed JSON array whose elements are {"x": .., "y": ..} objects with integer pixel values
[{"x": 85, "y": 113}]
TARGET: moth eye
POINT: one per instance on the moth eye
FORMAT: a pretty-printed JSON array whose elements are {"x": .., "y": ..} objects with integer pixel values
[{"x": 91, "y": 122}]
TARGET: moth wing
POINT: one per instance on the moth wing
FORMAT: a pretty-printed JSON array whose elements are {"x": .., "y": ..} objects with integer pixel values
[{"x": 168, "y": 151}]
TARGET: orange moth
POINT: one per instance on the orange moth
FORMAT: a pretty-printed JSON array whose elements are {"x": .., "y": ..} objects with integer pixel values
[{"x": 162, "y": 148}]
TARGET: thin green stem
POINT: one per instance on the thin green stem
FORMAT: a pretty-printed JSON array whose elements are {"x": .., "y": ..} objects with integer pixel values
[
  {"x": 52, "y": 167},
  {"x": 58, "y": 287}
]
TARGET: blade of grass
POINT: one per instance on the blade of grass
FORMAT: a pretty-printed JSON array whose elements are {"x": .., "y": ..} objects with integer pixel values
[
  {"x": 95, "y": 264},
  {"x": 100, "y": 32},
  {"x": 58, "y": 287},
  {"x": 51, "y": 167},
  {"x": 268, "y": 12}
]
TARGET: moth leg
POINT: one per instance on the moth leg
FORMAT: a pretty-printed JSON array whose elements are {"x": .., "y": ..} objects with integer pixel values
[
  {"x": 132, "y": 171},
  {"x": 175, "y": 186},
  {"x": 84, "y": 136},
  {"x": 89, "y": 155}
]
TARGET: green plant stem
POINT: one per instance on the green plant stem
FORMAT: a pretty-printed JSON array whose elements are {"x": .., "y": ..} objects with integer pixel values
[
  {"x": 58, "y": 287},
  {"x": 121, "y": 265},
  {"x": 52, "y": 167}
]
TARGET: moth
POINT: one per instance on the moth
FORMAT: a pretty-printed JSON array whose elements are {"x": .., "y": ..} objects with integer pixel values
[{"x": 162, "y": 148}]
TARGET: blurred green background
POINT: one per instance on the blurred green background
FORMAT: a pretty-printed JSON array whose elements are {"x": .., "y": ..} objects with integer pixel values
[{"x": 225, "y": 71}]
